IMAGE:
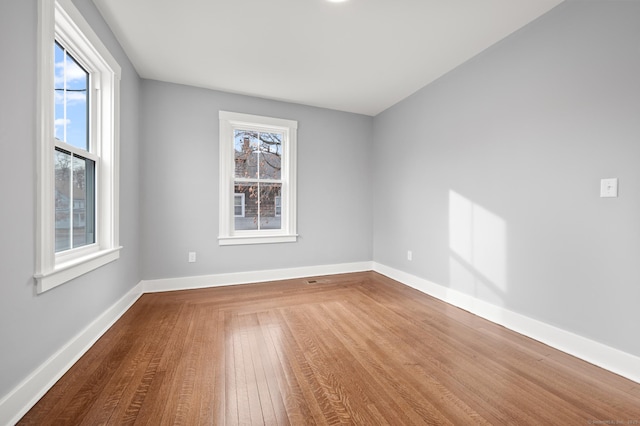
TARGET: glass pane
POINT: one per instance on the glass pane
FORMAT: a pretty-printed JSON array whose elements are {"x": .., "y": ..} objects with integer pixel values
[
  {"x": 74, "y": 201},
  {"x": 59, "y": 120},
  {"x": 250, "y": 219},
  {"x": 62, "y": 167},
  {"x": 270, "y": 156},
  {"x": 269, "y": 193},
  {"x": 247, "y": 148},
  {"x": 83, "y": 202},
  {"x": 71, "y": 83}
]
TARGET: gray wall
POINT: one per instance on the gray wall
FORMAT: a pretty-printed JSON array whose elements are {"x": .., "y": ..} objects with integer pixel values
[
  {"x": 33, "y": 327},
  {"x": 180, "y": 184},
  {"x": 491, "y": 174}
]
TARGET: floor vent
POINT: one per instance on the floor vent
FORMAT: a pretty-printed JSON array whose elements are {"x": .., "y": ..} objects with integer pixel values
[{"x": 313, "y": 281}]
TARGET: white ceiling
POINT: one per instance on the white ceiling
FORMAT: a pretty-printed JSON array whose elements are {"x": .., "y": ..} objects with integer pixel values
[{"x": 359, "y": 56}]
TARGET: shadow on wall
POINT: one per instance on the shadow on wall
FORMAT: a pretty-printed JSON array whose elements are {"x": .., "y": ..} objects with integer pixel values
[{"x": 477, "y": 250}]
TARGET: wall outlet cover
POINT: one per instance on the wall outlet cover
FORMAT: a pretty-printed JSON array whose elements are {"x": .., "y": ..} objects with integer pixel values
[{"x": 609, "y": 187}]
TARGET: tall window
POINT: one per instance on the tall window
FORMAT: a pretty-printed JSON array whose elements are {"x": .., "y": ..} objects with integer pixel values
[
  {"x": 77, "y": 150},
  {"x": 257, "y": 179},
  {"x": 74, "y": 163}
]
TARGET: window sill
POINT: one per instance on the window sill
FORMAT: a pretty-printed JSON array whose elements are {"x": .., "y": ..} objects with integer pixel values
[
  {"x": 256, "y": 239},
  {"x": 69, "y": 270}
]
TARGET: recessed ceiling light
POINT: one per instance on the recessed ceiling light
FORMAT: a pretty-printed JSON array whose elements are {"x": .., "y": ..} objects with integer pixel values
[{"x": 336, "y": 1}]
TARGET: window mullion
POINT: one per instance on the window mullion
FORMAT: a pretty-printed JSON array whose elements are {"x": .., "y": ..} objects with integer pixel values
[
  {"x": 71, "y": 201},
  {"x": 251, "y": 180},
  {"x": 269, "y": 180},
  {"x": 64, "y": 94},
  {"x": 259, "y": 207},
  {"x": 95, "y": 103},
  {"x": 77, "y": 151}
]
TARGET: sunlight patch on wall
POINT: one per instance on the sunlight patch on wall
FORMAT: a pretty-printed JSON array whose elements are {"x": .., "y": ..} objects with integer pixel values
[{"x": 478, "y": 248}]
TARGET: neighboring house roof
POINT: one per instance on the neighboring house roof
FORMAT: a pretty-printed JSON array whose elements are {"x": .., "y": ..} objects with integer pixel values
[{"x": 250, "y": 158}]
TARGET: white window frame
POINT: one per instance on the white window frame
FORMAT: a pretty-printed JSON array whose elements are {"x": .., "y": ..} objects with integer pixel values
[
  {"x": 229, "y": 121},
  {"x": 60, "y": 20}
]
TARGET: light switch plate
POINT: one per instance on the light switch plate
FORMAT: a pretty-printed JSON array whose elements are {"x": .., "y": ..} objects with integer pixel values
[{"x": 609, "y": 187}]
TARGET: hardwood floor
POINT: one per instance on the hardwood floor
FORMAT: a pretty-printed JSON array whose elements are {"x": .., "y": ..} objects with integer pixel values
[{"x": 354, "y": 348}]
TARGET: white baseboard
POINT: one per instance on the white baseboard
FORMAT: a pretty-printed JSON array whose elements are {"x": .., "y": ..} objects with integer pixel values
[
  {"x": 24, "y": 396},
  {"x": 604, "y": 356},
  {"x": 204, "y": 281}
]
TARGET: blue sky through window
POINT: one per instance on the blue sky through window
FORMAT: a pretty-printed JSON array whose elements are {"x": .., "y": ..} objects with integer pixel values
[{"x": 71, "y": 84}]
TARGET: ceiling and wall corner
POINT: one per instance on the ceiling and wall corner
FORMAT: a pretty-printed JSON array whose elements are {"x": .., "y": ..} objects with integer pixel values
[{"x": 356, "y": 56}]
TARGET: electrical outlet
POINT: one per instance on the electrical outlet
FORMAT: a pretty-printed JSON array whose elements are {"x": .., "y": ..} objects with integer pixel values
[
  {"x": 409, "y": 255},
  {"x": 192, "y": 257}
]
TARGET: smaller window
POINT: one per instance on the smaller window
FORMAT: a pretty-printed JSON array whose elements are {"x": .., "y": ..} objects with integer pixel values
[
  {"x": 278, "y": 206},
  {"x": 257, "y": 179},
  {"x": 238, "y": 205}
]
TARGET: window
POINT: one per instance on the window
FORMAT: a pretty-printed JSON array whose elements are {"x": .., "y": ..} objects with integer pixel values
[
  {"x": 278, "y": 206},
  {"x": 238, "y": 205},
  {"x": 77, "y": 149},
  {"x": 257, "y": 179},
  {"x": 74, "y": 164}
]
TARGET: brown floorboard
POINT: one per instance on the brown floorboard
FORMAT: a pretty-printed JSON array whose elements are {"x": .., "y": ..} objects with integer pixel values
[{"x": 352, "y": 348}]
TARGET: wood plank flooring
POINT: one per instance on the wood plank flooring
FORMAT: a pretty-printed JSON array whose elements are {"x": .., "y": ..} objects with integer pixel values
[{"x": 353, "y": 348}]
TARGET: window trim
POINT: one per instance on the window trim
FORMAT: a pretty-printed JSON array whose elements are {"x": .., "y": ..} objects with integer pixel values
[
  {"x": 288, "y": 232},
  {"x": 61, "y": 20}
]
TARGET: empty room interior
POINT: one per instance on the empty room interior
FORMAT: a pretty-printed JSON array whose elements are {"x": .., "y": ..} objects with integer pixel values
[{"x": 320, "y": 212}]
